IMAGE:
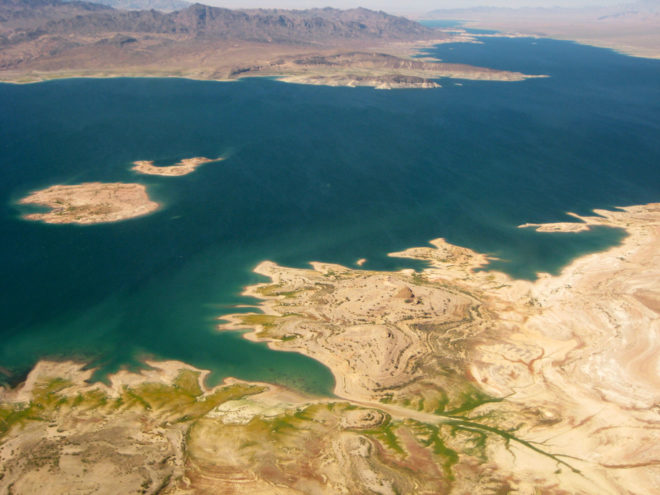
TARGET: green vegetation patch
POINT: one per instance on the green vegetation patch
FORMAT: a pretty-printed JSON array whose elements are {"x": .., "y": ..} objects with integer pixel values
[
  {"x": 269, "y": 324},
  {"x": 188, "y": 383},
  {"x": 47, "y": 394},
  {"x": 386, "y": 435},
  {"x": 452, "y": 396},
  {"x": 17, "y": 415},
  {"x": 184, "y": 400},
  {"x": 276, "y": 290},
  {"x": 266, "y": 321},
  {"x": 470, "y": 398},
  {"x": 449, "y": 456}
]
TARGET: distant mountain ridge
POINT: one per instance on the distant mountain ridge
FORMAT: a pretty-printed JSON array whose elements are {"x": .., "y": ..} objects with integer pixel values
[
  {"x": 162, "y": 5},
  {"x": 203, "y": 21},
  {"x": 641, "y": 7},
  {"x": 42, "y": 39},
  {"x": 20, "y": 14}
]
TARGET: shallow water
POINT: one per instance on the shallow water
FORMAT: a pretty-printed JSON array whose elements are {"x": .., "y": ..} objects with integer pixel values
[{"x": 311, "y": 173}]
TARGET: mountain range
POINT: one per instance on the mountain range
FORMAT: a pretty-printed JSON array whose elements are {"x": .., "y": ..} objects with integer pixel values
[
  {"x": 44, "y": 39},
  {"x": 22, "y": 20},
  {"x": 162, "y": 5}
]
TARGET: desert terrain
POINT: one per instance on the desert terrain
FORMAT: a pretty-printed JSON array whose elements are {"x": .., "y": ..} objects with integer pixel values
[
  {"x": 454, "y": 378},
  {"x": 448, "y": 380},
  {"x": 355, "y": 47},
  {"x": 632, "y": 28}
]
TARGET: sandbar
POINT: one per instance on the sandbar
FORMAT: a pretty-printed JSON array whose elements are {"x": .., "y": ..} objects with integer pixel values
[
  {"x": 90, "y": 203},
  {"x": 184, "y": 167}
]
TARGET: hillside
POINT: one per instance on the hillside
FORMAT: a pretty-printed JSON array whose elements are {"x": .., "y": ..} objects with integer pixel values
[
  {"x": 45, "y": 39},
  {"x": 41, "y": 18},
  {"x": 162, "y": 5}
]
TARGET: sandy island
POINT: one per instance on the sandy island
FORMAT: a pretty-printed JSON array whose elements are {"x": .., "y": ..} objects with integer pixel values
[
  {"x": 184, "y": 167},
  {"x": 91, "y": 202},
  {"x": 449, "y": 380}
]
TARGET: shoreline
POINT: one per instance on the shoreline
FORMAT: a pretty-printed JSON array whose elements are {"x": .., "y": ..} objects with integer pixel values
[
  {"x": 344, "y": 80},
  {"x": 446, "y": 261},
  {"x": 518, "y": 30},
  {"x": 347, "y": 80},
  {"x": 390, "y": 66},
  {"x": 448, "y": 351},
  {"x": 496, "y": 294}
]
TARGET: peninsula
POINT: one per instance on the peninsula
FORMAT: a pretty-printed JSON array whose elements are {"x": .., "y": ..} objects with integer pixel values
[
  {"x": 570, "y": 357},
  {"x": 184, "y": 167},
  {"x": 91, "y": 202},
  {"x": 377, "y": 70}
]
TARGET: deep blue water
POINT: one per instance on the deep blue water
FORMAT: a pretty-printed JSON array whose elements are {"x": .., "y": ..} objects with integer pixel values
[{"x": 312, "y": 173}]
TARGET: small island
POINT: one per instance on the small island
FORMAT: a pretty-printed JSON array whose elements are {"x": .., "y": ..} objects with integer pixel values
[
  {"x": 184, "y": 167},
  {"x": 92, "y": 202}
]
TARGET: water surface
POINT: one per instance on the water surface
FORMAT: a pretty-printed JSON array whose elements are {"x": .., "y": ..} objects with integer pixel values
[{"x": 312, "y": 173}]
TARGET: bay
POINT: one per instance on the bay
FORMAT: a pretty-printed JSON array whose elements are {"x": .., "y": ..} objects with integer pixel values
[{"x": 310, "y": 173}]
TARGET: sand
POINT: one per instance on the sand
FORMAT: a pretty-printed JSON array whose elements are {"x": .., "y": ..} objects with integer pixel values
[
  {"x": 184, "y": 167},
  {"x": 575, "y": 358}
]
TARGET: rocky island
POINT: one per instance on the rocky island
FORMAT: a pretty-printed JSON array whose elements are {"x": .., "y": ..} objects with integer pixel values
[{"x": 91, "y": 202}]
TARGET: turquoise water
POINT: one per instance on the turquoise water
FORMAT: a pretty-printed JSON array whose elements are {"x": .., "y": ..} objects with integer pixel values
[{"x": 312, "y": 173}]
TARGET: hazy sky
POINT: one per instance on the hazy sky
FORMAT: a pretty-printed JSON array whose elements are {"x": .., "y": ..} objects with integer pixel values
[{"x": 419, "y": 6}]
